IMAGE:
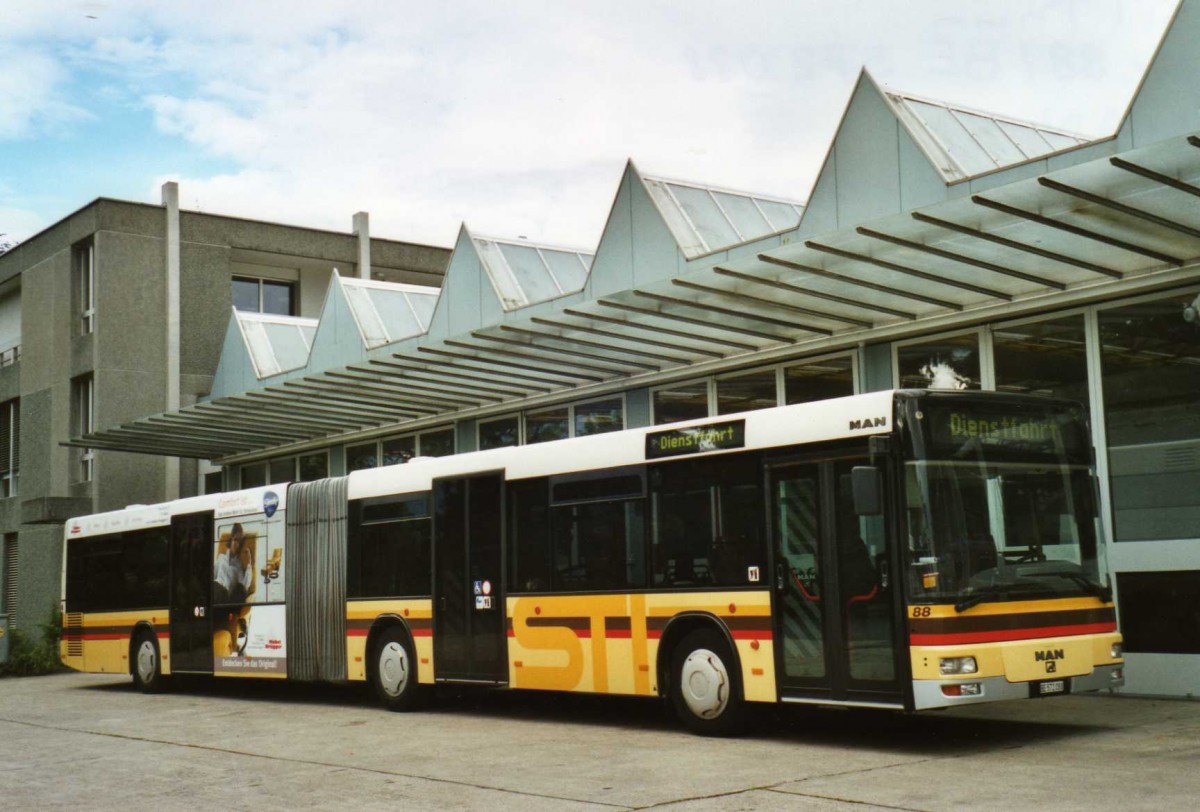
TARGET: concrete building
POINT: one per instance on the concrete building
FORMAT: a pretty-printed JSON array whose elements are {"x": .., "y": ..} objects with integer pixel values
[
  {"x": 940, "y": 246},
  {"x": 118, "y": 311}
]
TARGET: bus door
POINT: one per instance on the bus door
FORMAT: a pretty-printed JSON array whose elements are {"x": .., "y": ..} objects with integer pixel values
[
  {"x": 469, "y": 636},
  {"x": 834, "y": 588},
  {"x": 191, "y": 588}
]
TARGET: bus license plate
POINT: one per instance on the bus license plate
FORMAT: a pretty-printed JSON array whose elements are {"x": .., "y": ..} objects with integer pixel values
[{"x": 1051, "y": 686}]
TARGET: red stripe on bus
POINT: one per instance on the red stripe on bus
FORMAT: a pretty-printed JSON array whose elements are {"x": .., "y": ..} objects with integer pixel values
[
  {"x": 104, "y": 636},
  {"x": 1007, "y": 635},
  {"x": 751, "y": 634},
  {"x": 357, "y": 632},
  {"x": 618, "y": 634}
]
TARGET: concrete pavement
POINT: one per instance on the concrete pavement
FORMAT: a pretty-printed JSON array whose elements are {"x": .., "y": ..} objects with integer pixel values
[{"x": 75, "y": 741}]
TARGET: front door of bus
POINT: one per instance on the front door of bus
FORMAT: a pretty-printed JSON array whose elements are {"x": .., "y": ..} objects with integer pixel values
[
  {"x": 469, "y": 642},
  {"x": 835, "y": 617},
  {"x": 191, "y": 587}
]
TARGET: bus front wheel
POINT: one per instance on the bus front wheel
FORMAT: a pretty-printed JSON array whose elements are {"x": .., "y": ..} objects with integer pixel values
[
  {"x": 394, "y": 672},
  {"x": 705, "y": 691},
  {"x": 146, "y": 664}
]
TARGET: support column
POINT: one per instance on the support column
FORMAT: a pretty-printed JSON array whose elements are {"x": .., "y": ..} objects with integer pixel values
[
  {"x": 362, "y": 228},
  {"x": 170, "y": 200}
]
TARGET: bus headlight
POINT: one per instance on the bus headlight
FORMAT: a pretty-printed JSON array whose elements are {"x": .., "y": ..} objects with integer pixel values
[
  {"x": 957, "y": 665},
  {"x": 1117, "y": 651}
]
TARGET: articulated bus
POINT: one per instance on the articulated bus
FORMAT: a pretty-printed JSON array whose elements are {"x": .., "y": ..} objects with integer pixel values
[{"x": 906, "y": 550}]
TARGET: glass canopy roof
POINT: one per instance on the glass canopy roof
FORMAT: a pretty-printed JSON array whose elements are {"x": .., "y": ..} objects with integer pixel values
[
  {"x": 706, "y": 219},
  {"x": 276, "y": 343},
  {"x": 386, "y": 312},
  {"x": 964, "y": 142},
  {"x": 523, "y": 273}
]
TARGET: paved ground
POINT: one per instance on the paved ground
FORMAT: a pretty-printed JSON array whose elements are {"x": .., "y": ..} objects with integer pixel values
[{"x": 78, "y": 741}]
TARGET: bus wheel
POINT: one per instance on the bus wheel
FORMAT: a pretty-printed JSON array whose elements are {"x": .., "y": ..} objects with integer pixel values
[
  {"x": 146, "y": 666},
  {"x": 704, "y": 684},
  {"x": 394, "y": 673}
]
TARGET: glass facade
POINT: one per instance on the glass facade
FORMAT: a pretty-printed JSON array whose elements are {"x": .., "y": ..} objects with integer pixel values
[
  {"x": 818, "y": 380},
  {"x": 1150, "y": 356},
  {"x": 686, "y": 402},
  {"x": 547, "y": 424},
  {"x": 1043, "y": 358},
  {"x": 499, "y": 433},
  {"x": 744, "y": 393},
  {"x": 599, "y": 416},
  {"x": 941, "y": 363}
]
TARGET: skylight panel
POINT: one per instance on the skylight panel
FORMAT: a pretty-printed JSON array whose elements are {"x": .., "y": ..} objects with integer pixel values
[
  {"x": 781, "y": 215},
  {"x": 991, "y": 138},
  {"x": 568, "y": 267},
  {"x": 288, "y": 345},
  {"x": 964, "y": 150},
  {"x": 1028, "y": 139},
  {"x": 746, "y": 217},
  {"x": 504, "y": 282},
  {"x": 706, "y": 217},
  {"x": 530, "y": 272},
  {"x": 399, "y": 320}
]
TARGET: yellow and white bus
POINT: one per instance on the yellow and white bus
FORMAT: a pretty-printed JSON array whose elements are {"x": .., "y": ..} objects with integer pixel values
[{"x": 902, "y": 549}]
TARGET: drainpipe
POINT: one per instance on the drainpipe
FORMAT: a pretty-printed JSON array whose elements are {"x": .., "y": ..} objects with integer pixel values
[
  {"x": 170, "y": 200},
  {"x": 362, "y": 229}
]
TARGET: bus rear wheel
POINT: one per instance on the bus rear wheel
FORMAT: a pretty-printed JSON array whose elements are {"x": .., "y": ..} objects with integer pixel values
[
  {"x": 146, "y": 664},
  {"x": 394, "y": 672},
  {"x": 705, "y": 689}
]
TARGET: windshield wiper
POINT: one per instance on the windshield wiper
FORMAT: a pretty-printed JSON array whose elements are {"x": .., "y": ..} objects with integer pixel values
[
  {"x": 986, "y": 593},
  {"x": 1104, "y": 593}
]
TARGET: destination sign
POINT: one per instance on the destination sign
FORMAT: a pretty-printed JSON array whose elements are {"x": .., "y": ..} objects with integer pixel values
[
  {"x": 696, "y": 440},
  {"x": 1023, "y": 428}
]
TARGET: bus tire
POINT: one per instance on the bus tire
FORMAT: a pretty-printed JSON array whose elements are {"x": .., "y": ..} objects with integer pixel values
[
  {"x": 394, "y": 671},
  {"x": 705, "y": 690},
  {"x": 145, "y": 663}
]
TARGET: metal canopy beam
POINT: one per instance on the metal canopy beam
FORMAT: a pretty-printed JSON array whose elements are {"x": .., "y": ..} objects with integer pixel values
[
  {"x": 354, "y": 396},
  {"x": 133, "y": 445},
  {"x": 240, "y": 422},
  {"x": 183, "y": 427},
  {"x": 679, "y": 317},
  {"x": 354, "y": 410},
  {"x": 728, "y": 311},
  {"x": 421, "y": 397},
  {"x": 1157, "y": 177},
  {"x": 452, "y": 374},
  {"x": 1117, "y": 206},
  {"x": 650, "y": 342},
  {"x": 1018, "y": 246},
  {"x": 333, "y": 417},
  {"x": 861, "y": 283},
  {"x": 590, "y": 356},
  {"x": 1088, "y": 234},
  {"x": 556, "y": 365},
  {"x": 775, "y": 303},
  {"x": 242, "y": 412},
  {"x": 658, "y": 356},
  {"x": 659, "y": 329},
  {"x": 829, "y": 297},
  {"x": 907, "y": 271},
  {"x": 963, "y": 258},
  {"x": 507, "y": 368},
  {"x": 150, "y": 437}
]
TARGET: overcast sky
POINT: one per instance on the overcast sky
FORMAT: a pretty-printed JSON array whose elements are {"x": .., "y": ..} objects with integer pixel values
[{"x": 516, "y": 117}]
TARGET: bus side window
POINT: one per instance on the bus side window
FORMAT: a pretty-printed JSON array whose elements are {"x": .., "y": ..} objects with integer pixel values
[{"x": 528, "y": 535}]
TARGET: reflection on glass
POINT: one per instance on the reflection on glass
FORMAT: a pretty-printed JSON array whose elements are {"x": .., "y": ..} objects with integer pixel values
[
  {"x": 277, "y": 298},
  {"x": 1045, "y": 358},
  {"x": 245, "y": 294},
  {"x": 254, "y": 475},
  {"x": 686, "y": 402},
  {"x": 545, "y": 425},
  {"x": 499, "y": 433},
  {"x": 438, "y": 443},
  {"x": 797, "y": 509},
  {"x": 283, "y": 470},
  {"x": 399, "y": 449},
  {"x": 314, "y": 466},
  {"x": 1150, "y": 357},
  {"x": 744, "y": 393},
  {"x": 599, "y": 416},
  {"x": 818, "y": 380},
  {"x": 945, "y": 363},
  {"x": 359, "y": 457}
]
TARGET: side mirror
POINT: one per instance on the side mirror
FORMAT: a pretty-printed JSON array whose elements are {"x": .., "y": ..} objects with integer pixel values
[{"x": 867, "y": 486}]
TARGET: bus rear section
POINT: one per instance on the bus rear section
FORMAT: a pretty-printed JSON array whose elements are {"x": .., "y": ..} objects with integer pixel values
[{"x": 1006, "y": 589}]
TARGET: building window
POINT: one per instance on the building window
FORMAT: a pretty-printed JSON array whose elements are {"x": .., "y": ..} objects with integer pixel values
[
  {"x": 84, "y": 405},
  {"x": 950, "y": 362},
  {"x": 310, "y": 467},
  {"x": 544, "y": 425},
  {"x": 1150, "y": 361},
  {"x": 360, "y": 457},
  {"x": 214, "y": 482},
  {"x": 10, "y": 446},
  {"x": 501, "y": 432},
  {"x": 747, "y": 392},
  {"x": 255, "y": 295},
  {"x": 254, "y": 475},
  {"x": 85, "y": 275},
  {"x": 397, "y": 450},
  {"x": 9, "y": 582},
  {"x": 1042, "y": 358},
  {"x": 687, "y": 401},
  {"x": 598, "y": 416},
  {"x": 304, "y": 468},
  {"x": 818, "y": 380}
]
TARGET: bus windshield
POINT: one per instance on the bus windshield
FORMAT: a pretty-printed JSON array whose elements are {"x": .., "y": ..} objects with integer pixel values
[{"x": 1000, "y": 502}]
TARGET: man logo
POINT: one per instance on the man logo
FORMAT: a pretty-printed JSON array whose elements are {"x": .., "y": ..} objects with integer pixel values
[
  {"x": 868, "y": 423},
  {"x": 1050, "y": 657}
]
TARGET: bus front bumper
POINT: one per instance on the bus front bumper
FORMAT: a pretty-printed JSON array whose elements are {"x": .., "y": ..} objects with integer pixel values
[{"x": 941, "y": 693}]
